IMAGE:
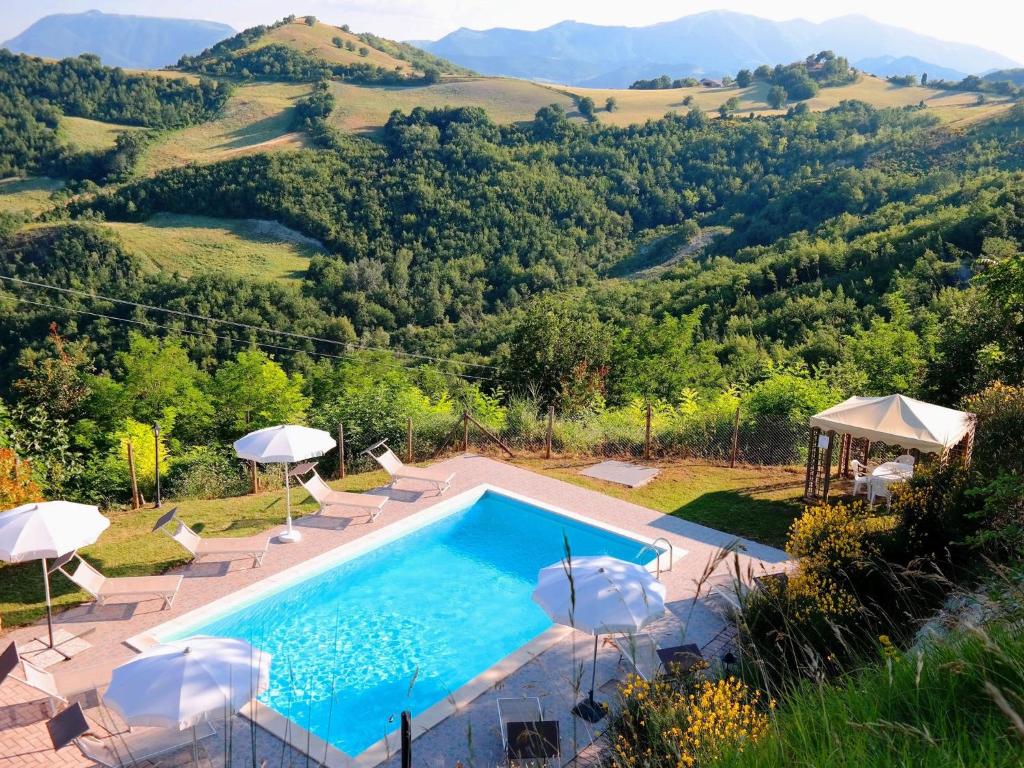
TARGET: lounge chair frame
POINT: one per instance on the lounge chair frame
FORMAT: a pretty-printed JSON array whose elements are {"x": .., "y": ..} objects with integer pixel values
[
  {"x": 394, "y": 466},
  {"x": 199, "y": 547},
  {"x": 327, "y": 497},
  {"x": 103, "y": 588},
  {"x": 524, "y": 718}
]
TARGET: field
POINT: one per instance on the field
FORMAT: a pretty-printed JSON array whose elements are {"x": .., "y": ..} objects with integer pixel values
[
  {"x": 192, "y": 244},
  {"x": 90, "y": 135},
  {"x": 256, "y": 118},
  {"x": 317, "y": 41},
  {"x": 365, "y": 109},
  {"x": 27, "y": 197},
  {"x": 639, "y": 106}
]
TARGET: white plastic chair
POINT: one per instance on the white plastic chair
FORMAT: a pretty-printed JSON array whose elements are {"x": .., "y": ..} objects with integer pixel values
[
  {"x": 861, "y": 479},
  {"x": 906, "y": 458}
]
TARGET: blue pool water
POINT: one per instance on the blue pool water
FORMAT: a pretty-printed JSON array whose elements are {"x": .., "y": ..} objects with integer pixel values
[{"x": 405, "y": 625}]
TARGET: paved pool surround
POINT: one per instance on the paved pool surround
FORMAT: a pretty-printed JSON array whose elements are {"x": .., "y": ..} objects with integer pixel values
[{"x": 463, "y": 727}]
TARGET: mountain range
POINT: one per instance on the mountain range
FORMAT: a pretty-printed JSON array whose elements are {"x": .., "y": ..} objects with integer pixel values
[
  {"x": 713, "y": 43},
  {"x": 140, "y": 42}
]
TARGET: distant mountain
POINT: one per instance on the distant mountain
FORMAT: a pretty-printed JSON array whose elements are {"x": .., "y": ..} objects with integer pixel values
[
  {"x": 713, "y": 43},
  {"x": 140, "y": 42},
  {"x": 889, "y": 66}
]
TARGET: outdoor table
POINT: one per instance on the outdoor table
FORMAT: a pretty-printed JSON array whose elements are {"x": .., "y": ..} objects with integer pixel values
[
  {"x": 888, "y": 473},
  {"x": 686, "y": 656}
]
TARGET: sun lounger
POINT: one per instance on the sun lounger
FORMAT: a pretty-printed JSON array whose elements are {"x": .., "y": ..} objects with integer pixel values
[
  {"x": 641, "y": 652},
  {"x": 327, "y": 497},
  {"x": 120, "y": 587},
  {"x": 525, "y": 734},
  {"x": 123, "y": 750},
  {"x": 441, "y": 479},
  {"x": 199, "y": 547},
  {"x": 57, "y": 686}
]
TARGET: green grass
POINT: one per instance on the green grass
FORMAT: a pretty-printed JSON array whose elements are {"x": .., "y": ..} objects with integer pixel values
[
  {"x": 935, "y": 713},
  {"x": 90, "y": 135},
  {"x": 193, "y": 244},
  {"x": 128, "y": 548},
  {"x": 257, "y": 118},
  {"x": 758, "y": 503},
  {"x": 318, "y": 41},
  {"x": 362, "y": 109},
  {"x": 27, "y": 197}
]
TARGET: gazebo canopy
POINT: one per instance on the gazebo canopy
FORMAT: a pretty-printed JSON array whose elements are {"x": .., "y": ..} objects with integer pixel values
[{"x": 897, "y": 420}]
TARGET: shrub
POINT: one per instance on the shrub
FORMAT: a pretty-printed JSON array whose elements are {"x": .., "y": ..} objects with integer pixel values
[
  {"x": 16, "y": 483},
  {"x": 206, "y": 473},
  {"x": 660, "y": 725},
  {"x": 999, "y": 439}
]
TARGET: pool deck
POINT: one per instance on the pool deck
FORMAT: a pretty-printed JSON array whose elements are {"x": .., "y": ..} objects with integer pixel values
[{"x": 465, "y": 731}]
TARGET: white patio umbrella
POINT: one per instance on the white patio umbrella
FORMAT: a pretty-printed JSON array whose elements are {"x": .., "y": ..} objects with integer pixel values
[
  {"x": 179, "y": 684},
  {"x": 48, "y": 529},
  {"x": 600, "y": 596},
  {"x": 284, "y": 444}
]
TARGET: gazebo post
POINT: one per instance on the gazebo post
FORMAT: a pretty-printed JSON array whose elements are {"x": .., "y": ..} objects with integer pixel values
[
  {"x": 811, "y": 476},
  {"x": 828, "y": 464}
]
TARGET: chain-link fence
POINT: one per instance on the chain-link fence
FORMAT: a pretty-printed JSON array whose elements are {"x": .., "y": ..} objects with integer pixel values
[{"x": 728, "y": 438}]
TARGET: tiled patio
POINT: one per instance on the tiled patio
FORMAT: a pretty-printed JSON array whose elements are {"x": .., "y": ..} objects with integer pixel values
[{"x": 470, "y": 735}]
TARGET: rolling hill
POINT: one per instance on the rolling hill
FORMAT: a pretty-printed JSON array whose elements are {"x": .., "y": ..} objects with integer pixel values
[
  {"x": 889, "y": 66},
  {"x": 139, "y": 42},
  {"x": 712, "y": 43}
]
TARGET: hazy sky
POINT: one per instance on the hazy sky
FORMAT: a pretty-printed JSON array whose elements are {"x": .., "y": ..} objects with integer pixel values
[{"x": 994, "y": 24}]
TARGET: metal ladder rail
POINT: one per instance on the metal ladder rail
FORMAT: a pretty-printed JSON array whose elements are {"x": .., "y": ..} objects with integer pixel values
[{"x": 658, "y": 553}]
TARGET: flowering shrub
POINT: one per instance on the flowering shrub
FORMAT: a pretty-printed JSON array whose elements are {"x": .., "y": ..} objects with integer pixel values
[
  {"x": 829, "y": 537},
  {"x": 16, "y": 483},
  {"x": 661, "y": 725}
]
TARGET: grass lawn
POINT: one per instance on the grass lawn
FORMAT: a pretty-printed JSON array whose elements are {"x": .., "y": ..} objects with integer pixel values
[
  {"x": 128, "y": 548},
  {"x": 318, "y": 41},
  {"x": 362, "y": 109},
  {"x": 256, "y": 118},
  {"x": 757, "y": 503},
  {"x": 193, "y": 244},
  {"x": 27, "y": 197}
]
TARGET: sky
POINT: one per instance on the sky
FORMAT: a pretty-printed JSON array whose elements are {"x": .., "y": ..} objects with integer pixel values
[{"x": 992, "y": 24}]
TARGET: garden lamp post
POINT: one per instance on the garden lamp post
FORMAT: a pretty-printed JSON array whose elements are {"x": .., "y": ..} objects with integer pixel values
[{"x": 156, "y": 453}]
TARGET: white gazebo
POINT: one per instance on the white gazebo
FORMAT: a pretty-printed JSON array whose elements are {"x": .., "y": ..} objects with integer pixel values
[{"x": 894, "y": 420}]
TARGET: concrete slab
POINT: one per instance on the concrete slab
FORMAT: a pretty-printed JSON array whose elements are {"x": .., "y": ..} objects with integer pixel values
[{"x": 622, "y": 472}]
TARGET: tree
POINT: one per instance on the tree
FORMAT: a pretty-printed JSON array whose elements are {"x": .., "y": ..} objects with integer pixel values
[
  {"x": 252, "y": 391},
  {"x": 611, "y": 104},
  {"x": 777, "y": 97},
  {"x": 364, "y": 51},
  {"x": 310, "y": 21},
  {"x": 54, "y": 379},
  {"x": 338, "y": 42},
  {"x": 744, "y": 77},
  {"x": 586, "y": 107},
  {"x": 728, "y": 107},
  {"x": 924, "y": 78},
  {"x": 16, "y": 484}
]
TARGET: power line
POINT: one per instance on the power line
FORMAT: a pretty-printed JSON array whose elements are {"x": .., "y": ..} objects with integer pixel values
[
  {"x": 229, "y": 339},
  {"x": 247, "y": 326}
]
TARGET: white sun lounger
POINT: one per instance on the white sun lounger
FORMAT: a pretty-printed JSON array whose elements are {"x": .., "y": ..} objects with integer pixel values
[
  {"x": 119, "y": 587},
  {"x": 642, "y": 653},
  {"x": 131, "y": 748},
  {"x": 525, "y": 735},
  {"x": 58, "y": 686},
  {"x": 439, "y": 478},
  {"x": 199, "y": 547},
  {"x": 327, "y": 497}
]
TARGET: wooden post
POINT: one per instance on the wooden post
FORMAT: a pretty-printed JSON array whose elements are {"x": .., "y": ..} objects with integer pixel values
[
  {"x": 647, "y": 435},
  {"x": 493, "y": 437},
  {"x": 341, "y": 451},
  {"x": 551, "y": 429},
  {"x": 408, "y": 441},
  {"x": 811, "y": 478},
  {"x": 136, "y": 503},
  {"x": 827, "y": 475},
  {"x": 735, "y": 438},
  {"x": 406, "y": 740},
  {"x": 465, "y": 431},
  {"x": 254, "y": 473}
]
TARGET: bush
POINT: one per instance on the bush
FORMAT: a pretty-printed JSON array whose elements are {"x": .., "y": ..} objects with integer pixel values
[
  {"x": 206, "y": 473},
  {"x": 999, "y": 438},
  {"x": 660, "y": 725}
]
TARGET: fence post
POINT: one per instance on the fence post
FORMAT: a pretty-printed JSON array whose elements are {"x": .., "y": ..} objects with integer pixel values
[
  {"x": 465, "y": 431},
  {"x": 551, "y": 429},
  {"x": 735, "y": 437},
  {"x": 647, "y": 435},
  {"x": 131, "y": 471},
  {"x": 341, "y": 451},
  {"x": 408, "y": 441}
]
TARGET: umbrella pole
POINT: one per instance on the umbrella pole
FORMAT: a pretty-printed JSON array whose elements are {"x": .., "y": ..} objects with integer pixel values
[
  {"x": 195, "y": 748},
  {"x": 290, "y": 535},
  {"x": 49, "y": 609},
  {"x": 593, "y": 672},
  {"x": 589, "y": 709}
]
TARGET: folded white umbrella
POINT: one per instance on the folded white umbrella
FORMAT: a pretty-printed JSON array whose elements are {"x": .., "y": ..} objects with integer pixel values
[
  {"x": 48, "y": 529},
  {"x": 600, "y": 596},
  {"x": 179, "y": 684},
  {"x": 283, "y": 444}
]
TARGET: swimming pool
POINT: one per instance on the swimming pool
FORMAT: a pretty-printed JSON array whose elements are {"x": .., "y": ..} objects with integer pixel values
[{"x": 404, "y": 625}]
